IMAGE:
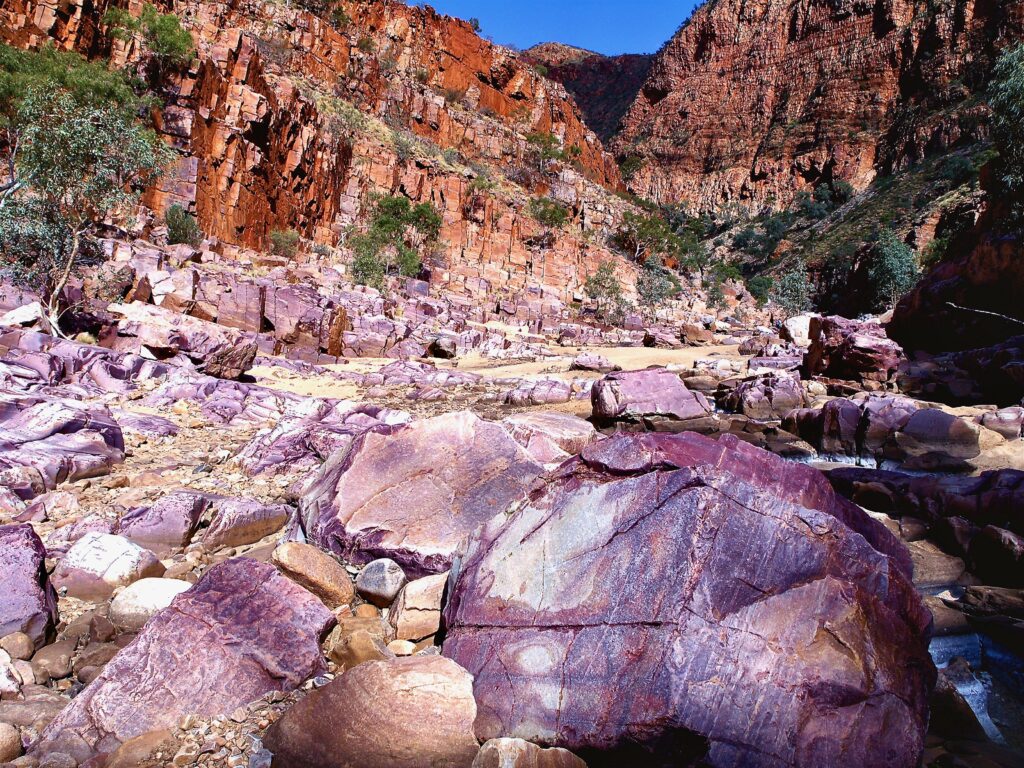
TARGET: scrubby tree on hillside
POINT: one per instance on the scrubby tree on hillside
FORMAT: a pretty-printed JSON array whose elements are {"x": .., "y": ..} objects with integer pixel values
[
  {"x": 792, "y": 291},
  {"x": 1007, "y": 102},
  {"x": 605, "y": 290},
  {"x": 75, "y": 165},
  {"x": 894, "y": 269}
]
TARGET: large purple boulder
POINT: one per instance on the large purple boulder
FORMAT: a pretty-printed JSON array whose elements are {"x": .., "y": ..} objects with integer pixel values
[
  {"x": 27, "y": 601},
  {"x": 675, "y": 600},
  {"x": 851, "y": 350},
  {"x": 413, "y": 493},
  {"x": 654, "y": 399},
  {"x": 166, "y": 526},
  {"x": 244, "y": 630}
]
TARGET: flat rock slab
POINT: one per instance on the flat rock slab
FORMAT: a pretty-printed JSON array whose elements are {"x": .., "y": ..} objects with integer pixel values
[
  {"x": 668, "y": 600},
  {"x": 243, "y": 521},
  {"x": 166, "y": 526},
  {"x": 654, "y": 399},
  {"x": 242, "y": 631},
  {"x": 412, "y": 495},
  {"x": 402, "y": 713},
  {"x": 27, "y": 601},
  {"x": 99, "y": 563}
]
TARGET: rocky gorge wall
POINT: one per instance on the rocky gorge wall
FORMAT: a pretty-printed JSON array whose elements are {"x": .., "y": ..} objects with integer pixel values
[
  {"x": 750, "y": 102},
  {"x": 286, "y": 121}
]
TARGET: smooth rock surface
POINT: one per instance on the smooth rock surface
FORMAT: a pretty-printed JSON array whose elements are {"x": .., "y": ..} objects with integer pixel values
[
  {"x": 139, "y": 602},
  {"x": 654, "y": 399},
  {"x": 413, "y": 494},
  {"x": 98, "y": 563},
  {"x": 672, "y": 599},
  {"x": 403, "y": 713},
  {"x": 316, "y": 571}
]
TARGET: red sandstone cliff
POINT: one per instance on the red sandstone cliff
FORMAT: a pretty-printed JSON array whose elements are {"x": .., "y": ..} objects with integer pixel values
[
  {"x": 263, "y": 124},
  {"x": 752, "y": 101},
  {"x": 604, "y": 87}
]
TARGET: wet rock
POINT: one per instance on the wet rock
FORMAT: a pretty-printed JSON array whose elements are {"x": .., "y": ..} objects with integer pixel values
[
  {"x": 516, "y": 753},
  {"x": 318, "y": 572},
  {"x": 139, "y": 602},
  {"x": 241, "y": 632},
  {"x": 851, "y": 350},
  {"x": 404, "y": 713},
  {"x": 28, "y": 603},
  {"x": 654, "y": 399},
  {"x": 98, "y": 563},
  {"x": 168, "y": 525},
  {"x": 380, "y": 582},
  {"x": 664, "y": 596},
  {"x": 243, "y": 521},
  {"x": 416, "y": 614},
  {"x": 413, "y": 494}
]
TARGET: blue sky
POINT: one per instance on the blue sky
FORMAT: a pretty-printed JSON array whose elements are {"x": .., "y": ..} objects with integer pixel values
[{"x": 606, "y": 26}]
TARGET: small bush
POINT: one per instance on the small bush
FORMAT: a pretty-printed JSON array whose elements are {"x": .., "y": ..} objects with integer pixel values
[
  {"x": 792, "y": 291},
  {"x": 957, "y": 170},
  {"x": 631, "y": 166},
  {"x": 339, "y": 19},
  {"x": 388, "y": 245},
  {"x": 475, "y": 24},
  {"x": 541, "y": 70},
  {"x": 760, "y": 287},
  {"x": 894, "y": 269},
  {"x": 549, "y": 212},
  {"x": 453, "y": 95},
  {"x": 605, "y": 290},
  {"x": 366, "y": 44},
  {"x": 284, "y": 242},
  {"x": 182, "y": 227}
]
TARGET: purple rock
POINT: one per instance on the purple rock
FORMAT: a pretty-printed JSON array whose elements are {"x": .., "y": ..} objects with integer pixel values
[
  {"x": 27, "y": 602},
  {"x": 168, "y": 525},
  {"x": 653, "y": 399},
  {"x": 244, "y": 630}
]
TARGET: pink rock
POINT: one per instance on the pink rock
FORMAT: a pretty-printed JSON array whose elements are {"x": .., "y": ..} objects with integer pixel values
[
  {"x": 590, "y": 361},
  {"x": 653, "y": 399},
  {"x": 412, "y": 495},
  {"x": 242, "y": 631},
  {"x": 216, "y": 350},
  {"x": 98, "y": 563},
  {"x": 243, "y": 521},
  {"x": 550, "y": 437},
  {"x": 848, "y": 349},
  {"x": 27, "y": 601},
  {"x": 766, "y": 398},
  {"x": 167, "y": 526},
  {"x": 672, "y": 599}
]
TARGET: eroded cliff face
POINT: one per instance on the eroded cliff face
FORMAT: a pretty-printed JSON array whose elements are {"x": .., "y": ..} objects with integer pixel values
[
  {"x": 604, "y": 87},
  {"x": 754, "y": 100},
  {"x": 289, "y": 120}
]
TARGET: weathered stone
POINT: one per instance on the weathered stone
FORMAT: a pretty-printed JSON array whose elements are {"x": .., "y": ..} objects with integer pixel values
[
  {"x": 10, "y": 743},
  {"x": 318, "y": 572},
  {"x": 550, "y": 437},
  {"x": 139, "y": 602},
  {"x": 168, "y": 525},
  {"x": 853, "y": 350},
  {"x": 516, "y": 753},
  {"x": 416, "y": 614},
  {"x": 405, "y": 713},
  {"x": 413, "y": 494},
  {"x": 591, "y": 361},
  {"x": 654, "y": 399},
  {"x": 240, "y": 633},
  {"x": 766, "y": 398},
  {"x": 54, "y": 661},
  {"x": 243, "y": 521},
  {"x": 98, "y": 563},
  {"x": 664, "y": 597},
  {"x": 18, "y": 645},
  {"x": 28, "y": 603},
  {"x": 357, "y": 648},
  {"x": 380, "y": 582}
]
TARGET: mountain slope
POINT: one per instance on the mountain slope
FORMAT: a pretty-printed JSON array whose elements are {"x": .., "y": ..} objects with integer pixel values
[
  {"x": 751, "y": 102},
  {"x": 603, "y": 86}
]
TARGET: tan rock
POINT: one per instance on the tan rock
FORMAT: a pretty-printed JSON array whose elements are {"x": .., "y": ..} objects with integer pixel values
[
  {"x": 318, "y": 572},
  {"x": 10, "y": 743},
  {"x": 18, "y": 645},
  {"x": 404, "y": 713},
  {"x": 54, "y": 661},
  {"x": 358, "y": 648},
  {"x": 516, "y": 753},
  {"x": 416, "y": 614},
  {"x": 150, "y": 750}
]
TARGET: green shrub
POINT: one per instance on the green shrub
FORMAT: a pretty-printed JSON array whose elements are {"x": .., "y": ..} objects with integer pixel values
[
  {"x": 605, "y": 290},
  {"x": 760, "y": 287},
  {"x": 957, "y": 170},
  {"x": 284, "y": 242},
  {"x": 893, "y": 271},
  {"x": 792, "y": 291},
  {"x": 162, "y": 33},
  {"x": 655, "y": 284},
  {"x": 339, "y": 19},
  {"x": 549, "y": 212},
  {"x": 631, "y": 166},
  {"x": 545, "y": 147},
  {"x": 366, "y": 44},
  {"x": 475, "y": 24},
  {"x": 453, "y": 95},
  {"x": 540, "y": 69},
  {"x": 1006, "y": 98},
  {"x": 388, "y": 246},
  {"x": 643, "y": 237},
  {"x": 182, "y": 227}
]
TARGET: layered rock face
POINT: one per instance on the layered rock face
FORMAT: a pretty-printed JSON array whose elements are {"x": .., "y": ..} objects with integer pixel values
[
  {"x": 751, "y": 102},
  {"x": 285, "y": 121},
  {"x": 676, "y": 600},
  {"x": 603, "y": 86}
]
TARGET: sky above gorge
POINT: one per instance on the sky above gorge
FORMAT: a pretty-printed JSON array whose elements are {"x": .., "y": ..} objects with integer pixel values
[{"x": 606, "y": 26}]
